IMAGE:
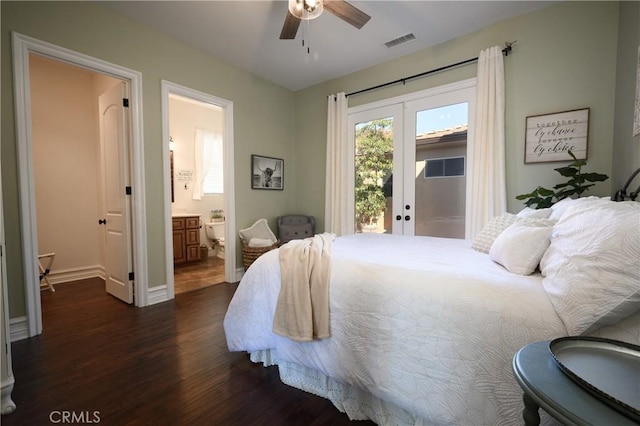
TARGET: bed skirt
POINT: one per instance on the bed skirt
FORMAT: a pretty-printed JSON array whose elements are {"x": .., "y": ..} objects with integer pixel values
[{"x": 356, "y": 403}]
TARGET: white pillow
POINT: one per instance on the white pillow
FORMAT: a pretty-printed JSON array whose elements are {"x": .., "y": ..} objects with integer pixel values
[
  {"x": 484, "y": 240},
  {"x": 558, "y": 209},
  {"x": 591, "y": 269},
  {"x": 520, "y": 247},
  {"x": 260, "y": 229},
  {"x": 534, "y": 213}
]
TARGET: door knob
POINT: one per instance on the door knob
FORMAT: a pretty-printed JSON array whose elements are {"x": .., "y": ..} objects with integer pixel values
[
  {"x": 407, "y": 217},
  {"x": 398, "y": 217},
  {"x": 102, "y": 221}
]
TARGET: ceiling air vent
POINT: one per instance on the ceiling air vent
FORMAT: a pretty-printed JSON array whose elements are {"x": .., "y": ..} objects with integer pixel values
[{"x": 400, "y": 40}]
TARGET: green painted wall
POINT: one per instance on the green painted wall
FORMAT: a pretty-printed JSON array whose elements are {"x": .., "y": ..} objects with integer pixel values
[
  {"x": 626, "y": 156},
  {"x": 263, "y": 114},
  {"x": 564, "y": 58}
]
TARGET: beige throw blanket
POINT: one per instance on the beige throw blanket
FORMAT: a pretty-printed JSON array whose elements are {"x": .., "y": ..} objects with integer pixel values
[{"x": 302, "y": 310}]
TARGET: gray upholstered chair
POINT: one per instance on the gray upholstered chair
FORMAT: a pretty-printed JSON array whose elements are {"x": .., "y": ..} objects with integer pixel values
[{"x": 295, "y": 227}]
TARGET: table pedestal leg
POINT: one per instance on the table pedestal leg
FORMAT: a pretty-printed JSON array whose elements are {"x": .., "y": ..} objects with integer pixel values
[{"x": 530, "y": 412}]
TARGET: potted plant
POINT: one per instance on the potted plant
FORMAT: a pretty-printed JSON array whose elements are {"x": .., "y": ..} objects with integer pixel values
[
  {"x": 577, "y": 183},
  {"x": 373, "y": 162}
]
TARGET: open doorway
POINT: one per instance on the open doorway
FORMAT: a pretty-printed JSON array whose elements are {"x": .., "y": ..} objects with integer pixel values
[
  {"x": 197, "y": 201},
  {"x": 71, "y": 180},
  {"x": 66, "y": 162},
  {"x": 131, "y": 83},
  {"x": 199, "y": 190}
]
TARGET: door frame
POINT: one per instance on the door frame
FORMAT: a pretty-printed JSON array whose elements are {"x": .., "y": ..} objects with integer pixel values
[
  {"x": 22, "y": 47},
  {"x": 170, "y": 88}
]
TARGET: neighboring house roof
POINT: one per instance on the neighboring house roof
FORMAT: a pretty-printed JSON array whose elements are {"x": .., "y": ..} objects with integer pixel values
[{"x": 452, "y": 134}]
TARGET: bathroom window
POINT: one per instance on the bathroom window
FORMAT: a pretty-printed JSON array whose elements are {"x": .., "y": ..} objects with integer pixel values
[{"x": 213, "y": 182}]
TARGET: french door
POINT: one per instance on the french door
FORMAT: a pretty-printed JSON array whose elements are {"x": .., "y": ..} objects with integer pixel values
[
  {"x": 410, "y": 159},
  {"x": 376, "y": 137}
]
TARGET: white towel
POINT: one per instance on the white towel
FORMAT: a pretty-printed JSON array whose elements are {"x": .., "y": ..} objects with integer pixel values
[
  {"x": 302, "y": 310},
  {"x": 261, "y": 242}
]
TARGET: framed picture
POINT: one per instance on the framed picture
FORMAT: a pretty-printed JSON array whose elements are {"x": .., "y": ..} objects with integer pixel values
[
  {"x": 267, "y": 172},
  {"x": 549, "y": 137}
]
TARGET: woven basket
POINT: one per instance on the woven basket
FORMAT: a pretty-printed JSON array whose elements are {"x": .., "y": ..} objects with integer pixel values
[{"x": 250, "y": 254}]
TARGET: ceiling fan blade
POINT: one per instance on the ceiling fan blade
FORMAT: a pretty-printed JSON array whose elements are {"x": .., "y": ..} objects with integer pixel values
[
  {"x": 347, "y": 12},
  {"x": 290, "y": 27}
]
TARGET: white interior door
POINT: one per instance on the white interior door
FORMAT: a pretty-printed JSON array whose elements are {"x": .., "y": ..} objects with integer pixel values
[{"x": 114, "y": 139}]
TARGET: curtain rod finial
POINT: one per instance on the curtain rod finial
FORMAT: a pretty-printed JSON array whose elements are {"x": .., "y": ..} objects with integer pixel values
[{"x": 508, "y": 47}]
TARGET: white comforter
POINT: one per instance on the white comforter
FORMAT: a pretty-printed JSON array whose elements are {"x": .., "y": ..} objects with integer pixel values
[{"x": 427, "y": 324}]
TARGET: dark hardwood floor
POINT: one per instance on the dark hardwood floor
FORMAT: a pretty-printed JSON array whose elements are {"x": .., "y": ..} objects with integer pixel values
[{"x": 165, "y": 364}]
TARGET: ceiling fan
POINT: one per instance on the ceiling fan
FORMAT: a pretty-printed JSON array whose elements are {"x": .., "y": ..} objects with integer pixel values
[{"x": 310, "y": 9}]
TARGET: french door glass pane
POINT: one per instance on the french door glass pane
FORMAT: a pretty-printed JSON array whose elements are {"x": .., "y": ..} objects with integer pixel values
[
  {"x": 441, "y": 149},
  {"x": 373, "y": 175}
]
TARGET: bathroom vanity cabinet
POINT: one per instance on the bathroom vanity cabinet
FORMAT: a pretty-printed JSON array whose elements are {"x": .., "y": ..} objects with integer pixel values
[{"x": 186, "y": 239}]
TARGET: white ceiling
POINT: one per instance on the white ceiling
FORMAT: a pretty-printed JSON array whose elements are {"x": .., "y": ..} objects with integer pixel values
[{"x": 246, "y": 33}]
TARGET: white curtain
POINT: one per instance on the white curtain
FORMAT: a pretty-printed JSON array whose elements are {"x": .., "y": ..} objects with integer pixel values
[
  {"x": 203, "y": 155},
  {"x": 486, "y": 184},
  {"x": 336, "y": 194}
]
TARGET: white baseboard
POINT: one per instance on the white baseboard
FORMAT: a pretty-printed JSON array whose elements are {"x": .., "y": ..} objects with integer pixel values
[
  {"x": 239, "y": 274},
  {"x": 157, "y": 294},
  {"x": 74, "y": 274},
  {"x": 18, "y": 329},
  {"x": 7, "y": 404}
]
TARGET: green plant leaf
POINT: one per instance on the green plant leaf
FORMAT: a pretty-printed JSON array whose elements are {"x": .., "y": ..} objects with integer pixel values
[
  {"x": 567, "y": 171},
  {"x": 524, "y": 196},
  {"x": 595, "y": 177},
  {"x": 545, "y": 192},
  {"x": 578, "y": 163}
]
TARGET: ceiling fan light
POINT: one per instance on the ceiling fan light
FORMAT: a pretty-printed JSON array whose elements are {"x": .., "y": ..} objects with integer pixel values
[{"x": 305, "y": 9}]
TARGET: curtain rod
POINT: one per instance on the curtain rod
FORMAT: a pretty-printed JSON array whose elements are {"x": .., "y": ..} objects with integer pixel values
[{"x": 505, "y": 51}]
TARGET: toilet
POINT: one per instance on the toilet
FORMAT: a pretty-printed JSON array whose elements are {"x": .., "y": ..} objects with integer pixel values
[{"x": 215, "y": 231}]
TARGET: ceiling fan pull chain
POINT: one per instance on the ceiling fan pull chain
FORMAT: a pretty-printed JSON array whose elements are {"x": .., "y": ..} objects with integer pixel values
[{"x": 308, "y": 37}]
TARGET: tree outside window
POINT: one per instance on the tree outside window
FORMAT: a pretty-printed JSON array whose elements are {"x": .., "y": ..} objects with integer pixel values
[{"x": 373, "y": 164}]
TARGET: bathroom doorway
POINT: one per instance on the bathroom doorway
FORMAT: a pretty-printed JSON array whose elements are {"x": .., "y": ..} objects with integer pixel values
[{"x": 200, "y": 188}]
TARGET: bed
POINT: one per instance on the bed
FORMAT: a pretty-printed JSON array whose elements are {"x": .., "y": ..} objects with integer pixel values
[{"x": 423, "y": 330}]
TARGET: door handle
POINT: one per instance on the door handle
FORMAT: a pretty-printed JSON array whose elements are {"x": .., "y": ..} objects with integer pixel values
[
  {"x": 102, "y": 221},
  {"x": 398, "y": 217},
  {"x": 407, "y": 217}
]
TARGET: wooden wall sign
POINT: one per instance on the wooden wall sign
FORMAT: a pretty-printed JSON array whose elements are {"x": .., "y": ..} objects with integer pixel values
[{"x": 549, "y": 137}]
